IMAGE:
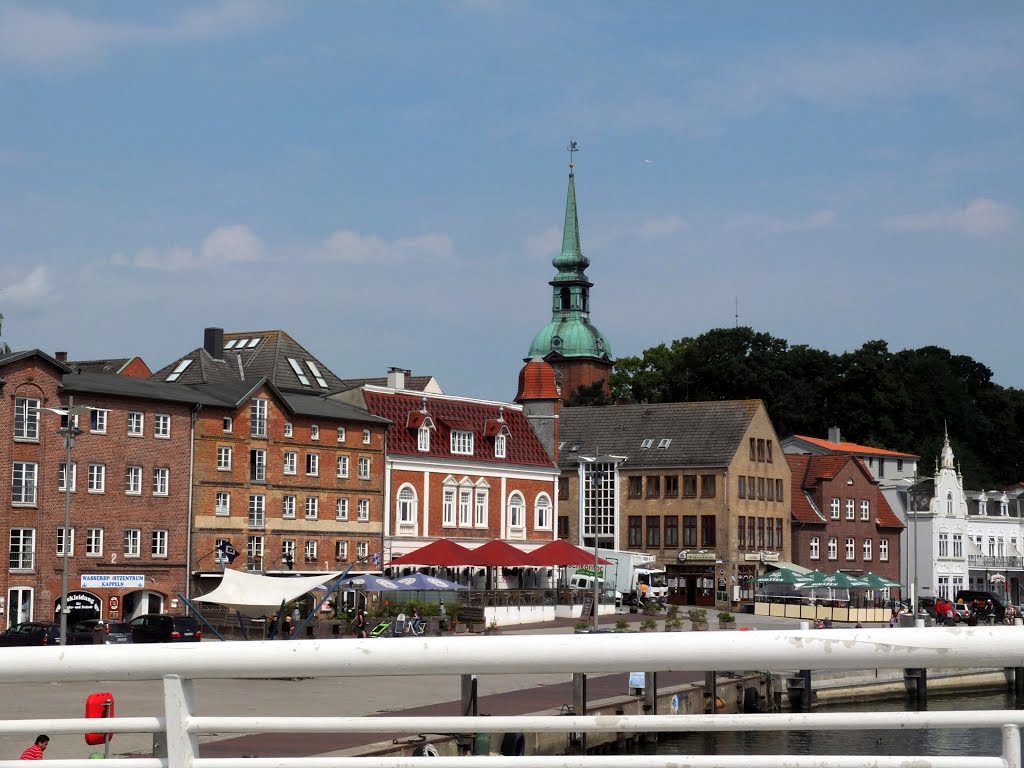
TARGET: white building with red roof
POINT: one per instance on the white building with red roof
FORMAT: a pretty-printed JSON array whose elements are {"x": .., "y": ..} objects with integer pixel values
[{"x": 466, "y": 469}]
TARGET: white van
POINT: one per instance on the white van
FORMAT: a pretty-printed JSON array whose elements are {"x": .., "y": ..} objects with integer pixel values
[{"x": 584, "y": 582}]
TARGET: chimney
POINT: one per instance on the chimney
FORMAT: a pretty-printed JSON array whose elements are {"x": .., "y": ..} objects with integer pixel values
[
  {"x": 396, "y": 378},
  {"x": 62, "y": 357},
  {"x": 213, "y": 342},
  {"x": 833, "y": 435}
]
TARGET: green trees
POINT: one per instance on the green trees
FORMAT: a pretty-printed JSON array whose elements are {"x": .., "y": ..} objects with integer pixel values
[{"x": 897, "y": 400}]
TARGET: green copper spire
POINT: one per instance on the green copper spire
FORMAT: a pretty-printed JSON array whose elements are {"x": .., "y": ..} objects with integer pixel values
[{"x": 570, "y": 333}]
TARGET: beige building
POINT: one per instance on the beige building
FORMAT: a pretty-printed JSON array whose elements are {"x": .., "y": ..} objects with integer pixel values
[{"x": 702, "y": 486}]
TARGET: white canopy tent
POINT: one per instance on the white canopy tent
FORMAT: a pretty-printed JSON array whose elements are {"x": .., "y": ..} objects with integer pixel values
[{"x": 254, "y": 595}]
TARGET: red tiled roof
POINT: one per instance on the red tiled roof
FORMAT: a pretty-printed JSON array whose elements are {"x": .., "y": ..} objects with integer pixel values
[
  {"x": 537, "y": 382},
  {"x": 803, "y": 510},
  {"x": 845, "y": 447},
  {"x": 886, "y": 516},
  {"x": 449, "y": 413}
]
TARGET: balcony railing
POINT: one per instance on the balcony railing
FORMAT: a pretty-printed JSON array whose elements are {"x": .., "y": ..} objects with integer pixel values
[{"x": 995, "y": 561}]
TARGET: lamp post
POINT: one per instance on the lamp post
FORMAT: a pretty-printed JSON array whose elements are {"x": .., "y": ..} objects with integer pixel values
[
  {"x": 597, "y": 477},
  {"x": 69, "y": 432}
]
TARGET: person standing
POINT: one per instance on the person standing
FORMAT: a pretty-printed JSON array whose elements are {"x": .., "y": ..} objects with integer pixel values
[
  {"x": 360, "y": 624},
  {"x": 35, "y": 752}
]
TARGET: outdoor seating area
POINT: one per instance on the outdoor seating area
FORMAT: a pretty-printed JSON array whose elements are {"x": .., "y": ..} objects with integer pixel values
[{"x": 831, "y": 597}]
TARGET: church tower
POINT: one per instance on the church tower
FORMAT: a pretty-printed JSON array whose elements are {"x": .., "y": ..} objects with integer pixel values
[{"x": 578, "y": 351}]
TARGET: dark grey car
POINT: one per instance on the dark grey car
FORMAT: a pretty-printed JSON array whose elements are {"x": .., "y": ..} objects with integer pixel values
[{"x": 113, "y": 632}]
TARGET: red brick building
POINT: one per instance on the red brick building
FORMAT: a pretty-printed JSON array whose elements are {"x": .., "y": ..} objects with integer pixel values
[
  {"x": 129, "y": 488},
  {"x": 292, "y": 479},
  {"x": 459, "y": 468},
  {"x": 841, "y": 520}
]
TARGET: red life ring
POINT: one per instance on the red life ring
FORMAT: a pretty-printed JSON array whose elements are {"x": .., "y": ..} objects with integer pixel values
[{"x": 99, "y": 705}]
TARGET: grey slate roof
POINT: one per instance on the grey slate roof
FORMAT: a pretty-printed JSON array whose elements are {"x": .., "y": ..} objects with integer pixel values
[
  {"x": 312, "y": 405},
  {"x": 13, "y": 357},
  {"x": 702, "y": 434},
  {"x": 110, "y": 367},
  {"x": 126, "y": 386},
  {"x": 268, "y": 358},
  {"x": 414, "y": 383}
]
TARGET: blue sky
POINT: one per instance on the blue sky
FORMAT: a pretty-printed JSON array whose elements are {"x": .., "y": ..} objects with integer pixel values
[{"x": 386, "y": 181}]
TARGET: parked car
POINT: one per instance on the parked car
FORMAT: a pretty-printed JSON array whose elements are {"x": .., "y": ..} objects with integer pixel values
[
  {"x": 164, "y": 628},
  {"x": 114, "y": 632},
  {"x": 980, "y": 599},
  {"x": 31, "y": 633},
  {"x": 961, "y": 612}
]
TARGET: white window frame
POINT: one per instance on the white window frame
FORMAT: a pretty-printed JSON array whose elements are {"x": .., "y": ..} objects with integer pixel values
[
  {"x": 465, "y": 506},
  {"x": 132, "y": 543},
  {"x": 29, "y": 472},
  {"x": 366, "y": 437},
  {"x": 341, "y": 551},
  {"x": 94, "y": 542},
  {"x": 343, "y": 466},
  {"x": 462, "y": 442},
  {"x": 423, "y": 439},
  {"x": 341, "y": 434},
  {"x": 865, "y": 510},
  {"x": 60, "y": 542},
  {"x": 499, "y": 446},
  {"x": 224, "y": 458},
  {"x": 222, "y": 504},
  {"x": 481, "y": 501},
  {"x": 133, "y": 480},
  {"x": 314, "y": 432},
  {"x": 289, "y": 506},
  {"x": 229, "y": 425},
  {"x": 136, "y": 424},
  {"x": 516, "y": 512},
  {"x": 543, "y": 512},
  {"x": 254, "y": 552},
  {"x": 958, "y": 545},
  {"x": 851, "y": 548},
  {"x": 312, "y": 507},
  {"x": 866, "y": 553},
  {"x": 310, "y": 550},
  {"x": 257, "y": 465},
  {"x": 448, "y": 505},
  {"x": 26, "y": 411},
  {"x": 289, "y": 429},
  {"x": 834, "y": 505},
  {"x": 363, "y": 550},
  {"x": 258, "y": 410},
  {"x": 364, "y": 467},
  {"x": 341, "y": 508},
  {"x": 883, "y": 550},
  {"x": 833, "y": 548},
  {"x": 98, "y": 421},
  {"x": 363, "y": 511},
  {"x": 815, "y": 548},
  {"x": 22, "y": 549},
  {"x": 161, "y": 481},
  {"x": 61, "y": 470},
  {"x": 291, "y": 462},
  {"x": 943, "y": 549},
  {"x": 313, "y": 464},
  {"x": 257, "y": 512},
  {"x": 97, "y": 478},
  {"x": 162, "y": 426},
  {"x": 158, "y": 543},
  {"x": 851, "y": 509},
  {"x": 408, "y": 506}
]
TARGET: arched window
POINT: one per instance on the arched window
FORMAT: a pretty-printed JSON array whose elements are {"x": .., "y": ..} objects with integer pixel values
[
  {"x": 949, "y": 503},
  {"x": 516, "y": 512},
  {"x": 564, "y": 299},
  {"x": 407, "y": 505},
  {"x": 542, "y": 512}
]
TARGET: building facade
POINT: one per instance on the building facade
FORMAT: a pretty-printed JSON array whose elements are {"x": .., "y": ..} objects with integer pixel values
[
  {"x": 701, "y": 486},
  {"x": 841, "y": 519}
]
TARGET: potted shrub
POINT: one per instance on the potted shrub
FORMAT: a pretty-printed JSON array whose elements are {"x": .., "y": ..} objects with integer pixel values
[
  {"x": 698, "y": 618},
  {"x": 621, "y": 625},
  {"x": 648, "y": 625},
  {"x": 492, "y": 627},
  {"x": 582, "y": 627},
  {"x": 726, "y": 620},
  {"x": 672, "y": 621}
]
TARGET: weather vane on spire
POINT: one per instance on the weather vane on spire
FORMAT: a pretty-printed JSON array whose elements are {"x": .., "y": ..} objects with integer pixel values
[{"x": 574, "y": 146}]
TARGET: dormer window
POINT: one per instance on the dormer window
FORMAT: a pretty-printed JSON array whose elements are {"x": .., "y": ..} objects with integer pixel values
[
  {"x": 423, "y": 438},
  {"x": 314, "y": 432},
  {"x": 462, "y": 442},
  {"x": 499, "y": 446}
]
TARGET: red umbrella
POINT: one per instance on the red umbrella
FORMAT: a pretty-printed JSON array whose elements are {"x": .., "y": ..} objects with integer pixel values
[
  {"x": 443, "y": 552},
  {"x": 499, "y": 554},
  {"x": 561, "y": 552}
]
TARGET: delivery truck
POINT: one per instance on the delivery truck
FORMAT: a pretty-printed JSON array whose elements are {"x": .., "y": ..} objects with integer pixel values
[{"x": 625, "y": 573}]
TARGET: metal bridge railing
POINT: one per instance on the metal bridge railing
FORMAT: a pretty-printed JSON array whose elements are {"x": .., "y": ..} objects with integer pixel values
[{"x": 178, "y": 727}]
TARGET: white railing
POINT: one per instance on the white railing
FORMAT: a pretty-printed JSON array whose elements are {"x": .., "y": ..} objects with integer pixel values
[{"x": 177, "y": 665}]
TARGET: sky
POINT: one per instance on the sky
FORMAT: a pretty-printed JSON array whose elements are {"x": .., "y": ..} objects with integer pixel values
[{"x": 386, "y": 180}]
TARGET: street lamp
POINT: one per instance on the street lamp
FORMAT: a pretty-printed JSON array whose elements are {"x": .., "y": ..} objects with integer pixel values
[{"x": 69, "y": 431}]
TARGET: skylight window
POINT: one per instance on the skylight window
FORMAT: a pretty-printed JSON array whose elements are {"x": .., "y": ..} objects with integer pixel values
[
  {"x": 303, "y": 379},
  {"x": 316, "y": 374},
  {"x": 178, "y": 370},
  {"x": 229, "y": 343},
  {"x": 255, "y": 341},
  {"x": 242, "y": 342},
  {"x": 665, "y": 442},
  {"x": 646, "y": 443}
]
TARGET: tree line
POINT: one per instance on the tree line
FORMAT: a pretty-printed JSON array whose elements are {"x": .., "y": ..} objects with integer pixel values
[{"x": 900, "y": 401}]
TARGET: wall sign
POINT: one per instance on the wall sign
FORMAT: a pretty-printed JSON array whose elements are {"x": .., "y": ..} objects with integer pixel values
[{"x": 113, "y": 581}]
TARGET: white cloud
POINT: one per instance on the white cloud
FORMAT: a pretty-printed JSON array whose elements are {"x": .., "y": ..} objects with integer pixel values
[
  {"x": 543, "y": 244},
  {"x": 356, "y": 248},
  {"x": 981, "y": 216},
  {"x": 225, "y": 245},
  {"x": 34, "y": 36},
  {"x": 33, "y": 291},
  {"x": 775, "y": 225},
  {"x": 661, "y": 227}
]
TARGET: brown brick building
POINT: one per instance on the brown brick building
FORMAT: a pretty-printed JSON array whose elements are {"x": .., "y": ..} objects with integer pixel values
[
  {"x": 129, "y": 487},
  {"x": 841, "y": 519},
  {"x": 701, "y": 486}
]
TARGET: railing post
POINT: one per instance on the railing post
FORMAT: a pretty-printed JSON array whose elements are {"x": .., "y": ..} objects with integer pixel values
[
  {"x": 179, "y": 745},
  {"x": 650, "y": 703},
  {"x": 469, "y": 696},
  {"x": 1011, "y": 746},
  {"x": 579, "y": 702}
]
